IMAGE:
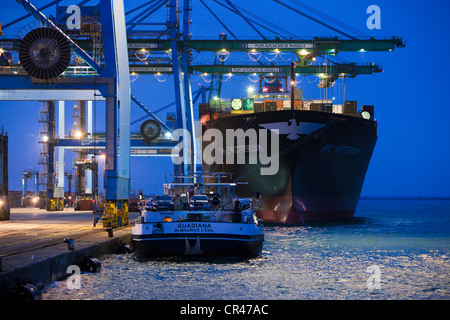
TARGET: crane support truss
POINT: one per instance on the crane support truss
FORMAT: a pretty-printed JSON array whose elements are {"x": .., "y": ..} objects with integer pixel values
[
  {"x": 316, "y": 45},
  {"x": 111, "y": 83},
  {"x": 350, "y": 69}
]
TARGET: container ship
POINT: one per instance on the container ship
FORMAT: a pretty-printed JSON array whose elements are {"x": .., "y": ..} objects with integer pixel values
[{"x": 324, "y": 153}]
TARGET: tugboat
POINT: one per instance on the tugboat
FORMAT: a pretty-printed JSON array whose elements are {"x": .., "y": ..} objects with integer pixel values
[{"x": 228, "y": 229}]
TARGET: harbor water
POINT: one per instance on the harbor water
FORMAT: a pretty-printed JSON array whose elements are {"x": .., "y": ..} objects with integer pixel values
[{"x": 390, "y": 249}]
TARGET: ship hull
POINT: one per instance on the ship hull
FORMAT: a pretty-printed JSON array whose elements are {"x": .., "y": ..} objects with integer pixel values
[
  {"x": 321, "y": 169},
  {"x": 210, "y": 245},
  {"x": 164, "y": 239}
]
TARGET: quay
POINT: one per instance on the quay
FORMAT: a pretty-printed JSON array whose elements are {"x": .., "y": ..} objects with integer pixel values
[{"x": 33, "y": 250}]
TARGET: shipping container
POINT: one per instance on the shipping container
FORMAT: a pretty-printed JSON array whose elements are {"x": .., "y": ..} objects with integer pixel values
[
  {"x": 316, "y": 106},
  {"x": 85, "y": 204},
  {"x": 349, "y": 107},
  {"x": 298, "y": 94},
  {"x": 225, "y": 107},
  {"x": 298, "y": 104},
  {"x": 327, "y": 107},
  {"x": 215, "y": 102},
  {"x": 270, "y": 105},
  {"x": 279, "y": 104},
  {"x": 258, "y": 106},
  {"x": 337, "y": 108},
  {"x": 216, "y": 107},
  {"x": 286, "y": 104},
  {"x": 307, "y": 105},
  {"x": 322, "y": 101},
  {"x": 14, "y": 199}
]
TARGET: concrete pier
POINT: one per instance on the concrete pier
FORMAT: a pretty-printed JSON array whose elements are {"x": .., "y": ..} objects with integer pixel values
[{"x": 33, "y": 251}]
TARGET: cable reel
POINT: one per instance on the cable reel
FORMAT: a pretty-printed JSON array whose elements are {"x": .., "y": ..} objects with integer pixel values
[
  {"x": 150, "y": 130},
  {"x": 44, "y": 53}
]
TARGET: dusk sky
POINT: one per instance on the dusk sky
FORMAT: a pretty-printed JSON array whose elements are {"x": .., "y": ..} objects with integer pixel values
[{"x": 412, "y": 155}]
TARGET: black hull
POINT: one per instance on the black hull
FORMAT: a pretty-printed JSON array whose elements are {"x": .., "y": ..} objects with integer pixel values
[
  {"x": 321, "y": 173},
  {"x": 244, "y": 246}
]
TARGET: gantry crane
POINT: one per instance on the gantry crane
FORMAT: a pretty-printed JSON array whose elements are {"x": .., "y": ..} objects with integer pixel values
[
  {"x": 108, "y": 57},
  {"x": 45, "y": 52},
  {"x": 33, "y": 175}
]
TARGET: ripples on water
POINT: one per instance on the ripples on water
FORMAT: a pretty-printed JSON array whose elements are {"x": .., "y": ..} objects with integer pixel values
[{"x": 407, "y": 240}]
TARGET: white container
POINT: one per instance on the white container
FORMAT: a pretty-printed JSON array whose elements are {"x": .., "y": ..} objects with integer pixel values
[{"x": 337, "y": 108}]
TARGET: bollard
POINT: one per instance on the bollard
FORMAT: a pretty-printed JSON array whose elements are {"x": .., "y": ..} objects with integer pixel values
[{"x": 110, "y": 232}]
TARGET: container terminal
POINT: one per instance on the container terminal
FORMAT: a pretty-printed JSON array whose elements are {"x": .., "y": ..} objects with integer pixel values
[{"x": 66, "y": 54}]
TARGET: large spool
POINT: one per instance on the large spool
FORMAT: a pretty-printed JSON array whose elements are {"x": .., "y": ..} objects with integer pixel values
[
  {"x": 150, "y": 130},
  {"x": 44, "y": 53}
]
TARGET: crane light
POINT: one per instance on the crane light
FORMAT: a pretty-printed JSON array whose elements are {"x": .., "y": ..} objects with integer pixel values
[{"x": 303, "y": 52}]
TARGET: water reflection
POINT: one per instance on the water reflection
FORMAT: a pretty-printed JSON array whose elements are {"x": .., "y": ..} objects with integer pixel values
[{"x": 313, "y": 261}]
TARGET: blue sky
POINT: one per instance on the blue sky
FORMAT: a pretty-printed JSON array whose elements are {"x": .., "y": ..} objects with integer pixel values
[{"x": 412, "y": 156}]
